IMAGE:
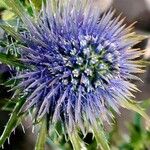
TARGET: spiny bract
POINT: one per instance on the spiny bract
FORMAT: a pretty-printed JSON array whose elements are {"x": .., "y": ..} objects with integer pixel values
[{"x": 80, "y": 63}]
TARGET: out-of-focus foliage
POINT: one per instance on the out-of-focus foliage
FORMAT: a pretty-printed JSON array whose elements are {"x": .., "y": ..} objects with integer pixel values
[
  {"x": 2, "y": 4},
  {"x": 137, "y": 136}
]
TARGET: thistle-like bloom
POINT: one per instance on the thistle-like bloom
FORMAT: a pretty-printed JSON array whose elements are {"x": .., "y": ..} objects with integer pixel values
[{"x": 80, "y": 63}]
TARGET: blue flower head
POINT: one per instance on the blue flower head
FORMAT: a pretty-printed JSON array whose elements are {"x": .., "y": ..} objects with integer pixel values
[{"x": 80, "y": 63}]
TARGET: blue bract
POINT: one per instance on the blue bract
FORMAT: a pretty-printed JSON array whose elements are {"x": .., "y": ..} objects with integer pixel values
[{"x": 81, "y": 63}]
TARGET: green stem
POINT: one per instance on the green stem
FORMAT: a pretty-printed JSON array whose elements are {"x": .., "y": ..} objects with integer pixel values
[
  {"x": 42, "y": 136},
  {"x": 12, "y": 123}
]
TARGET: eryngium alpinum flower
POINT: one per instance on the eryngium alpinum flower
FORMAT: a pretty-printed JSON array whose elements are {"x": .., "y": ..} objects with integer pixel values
[{"x": 81, "y": 63}]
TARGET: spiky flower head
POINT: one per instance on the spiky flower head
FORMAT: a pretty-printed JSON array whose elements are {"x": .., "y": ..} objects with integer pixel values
[{"x": 80, "y": 63}]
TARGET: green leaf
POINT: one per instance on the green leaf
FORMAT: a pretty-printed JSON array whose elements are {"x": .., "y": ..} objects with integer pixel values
[
  {"x": 11, "y": 60},
  {"x": 7, "y": 15},
  {"x": 11, "y": 82},
  {"x": 2, "y": 44},
  {"x": 100, "y": 137},
  {"x": 11, "y": 31},
  {"x": 42, "y": 136},
  {"x": 17, "y": 7},
  {"x": 37, "y": 4},
  {"x": 9, "y": 106},
  {"x": 57, "y": 137},
  {"x": 75, "y": 140},
  {"x": 14, "y": 120}
]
